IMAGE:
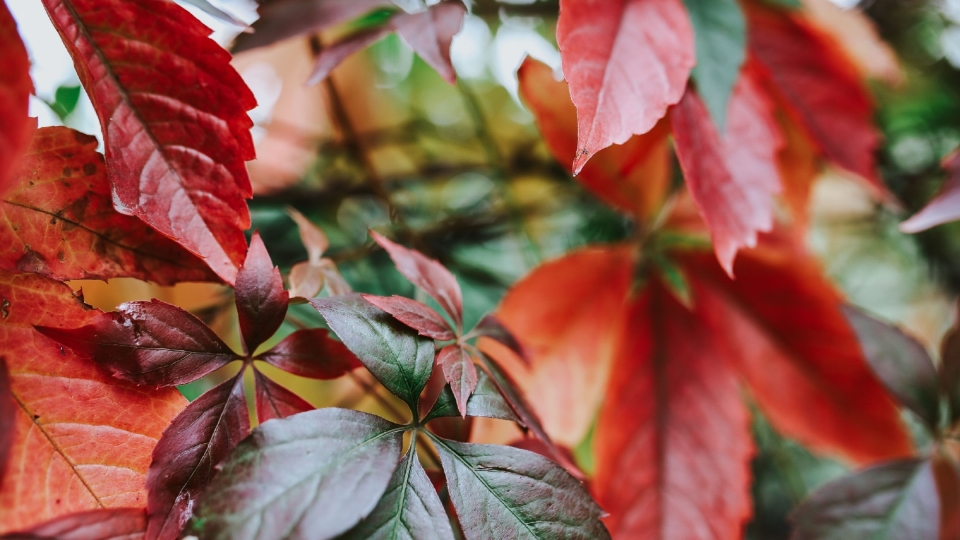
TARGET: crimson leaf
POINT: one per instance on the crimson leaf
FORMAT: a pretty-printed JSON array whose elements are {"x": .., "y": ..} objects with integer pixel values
[
  {"x": 8, "y": 410},
  {"x": 311, "y": 353},
  {"x": 416, "y": 315},
  {"x": 100, "y": 524},
  {"x": 261, "y": 300},
  {"x": 275, "y": 401}
]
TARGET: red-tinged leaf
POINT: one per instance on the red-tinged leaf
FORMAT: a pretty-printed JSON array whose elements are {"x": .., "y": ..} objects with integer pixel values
[
  {"x": 672, "y": 442},
  {"x": 261, "y": 300},
  {"x": 173, "y": 113},
  {"x": 633, "y": 177},
  {"x": 334, "y": 54},
  {"x": 151, "y": 343},
  {"x": 275, "y": 401},
  {"x": 485, "y": 401},
  {"x": 430, "y": 34},
  {"x": 781, "y": 323},
  {"x": 283, "y": 19},
  {"x": 313, "y": 238},
  {"x": 416, "y": 315},
  {"x": 15, "y": 90},
  {"x": 820, "y": 88},
  {"x": 427, "y": 274},
  {"x": 8, "y": 417},
  {"x": 800, "y": 165},
  {"x": 947, "y": 477},
  {"x": 459, "y": 371},
  {"x": 491, "y": 327},
  {"x": 311, "y": 353},
  {"x": 732, "y": 177},
  {"x": 187, "y": 455},
  {"x": 64, "y": 225},
  {"x": 569, "y": 314},
  {"x": 101, "y": 524},
  {"x": 76, "y": 428},
  {"x": 626, "y": 62},
  {"x": 945, "y": 206},
  {"x": 336, "y": 285}
]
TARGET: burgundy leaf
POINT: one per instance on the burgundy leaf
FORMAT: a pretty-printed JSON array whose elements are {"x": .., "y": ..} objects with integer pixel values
[
  {"x": 100, "y": 524},
  {"x": 427, "y": 274},
  {"x": 275, "y": 401},
  {"x": 459, "y": 371},
  {"x": 151, "y": 343},
  {"x": 430, "y": 34},
  {"x": 8, "y": 410},
  {"x": 416, "y": 315},
  {"x": 311, "y": 353},
  {"x": 187, "y": 455},
  {"x": 15, "y": 90},
  {"x": 261, "y": 300},
  {"x": 334, "y": 54},
  {"x": 945, "y": 206},
  {"x": 491, "y": 327},
  {"x": 173, "y": 113}
]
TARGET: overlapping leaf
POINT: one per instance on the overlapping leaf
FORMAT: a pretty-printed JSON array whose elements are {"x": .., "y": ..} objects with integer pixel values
[
  {"x": 720, "y": 32},
  {"x": 15, "y": 90},
  {"x": 101, "y": 524},
  {"x": 283, "y": 19}
]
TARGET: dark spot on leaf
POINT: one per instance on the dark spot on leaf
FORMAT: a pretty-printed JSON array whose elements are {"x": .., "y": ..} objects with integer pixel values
[
  {"x": 4, "y": 308},
  {"x": 36, "y": 417},
  {"x": 89, "y": 169},
  {"x": 67, "y": 172},
  {"x": 61, "y": 256}
]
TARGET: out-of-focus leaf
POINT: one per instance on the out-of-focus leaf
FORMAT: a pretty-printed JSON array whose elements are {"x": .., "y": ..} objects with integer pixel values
[
  {"x": 313, "y": 475},
  {"x": 491, "y": 327},
  {"x": 416, "y": 315},
  {"x": 261, "y": 300},
  {"x": 313, "y": 238},
  {"x": 65, "y": 100},
  {"x": 720, "y": 33},
  {"x": 306, "y": 280},
  {"x": 460, "y": 373},
  {"x": 215, "y": 12},
  {"x": 15, "y": 90},
  {"x": 399, "y": 358},
  {"x": 950, "y": 371},
  {"x": 609, "y": 52},
  {"x": 945, "y": 206},
  {"x": 504, "y": 492},
  {"x": 100, "y": 524},
  {"x": 485, "y": 401},
  {"x": 311, "y": 353},
  {"x": 174, "y": 119},
  {"x": 901, "y": 363},
  {"x": 275, "y": 401}
]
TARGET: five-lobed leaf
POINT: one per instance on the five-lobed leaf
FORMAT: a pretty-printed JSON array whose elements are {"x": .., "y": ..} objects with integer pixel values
[
  {"x": 720, "y": 34},
  {"x": 15, "y": 89},
  {"x": 261, "y": 300},
  {"x": 100, "y": 524}
]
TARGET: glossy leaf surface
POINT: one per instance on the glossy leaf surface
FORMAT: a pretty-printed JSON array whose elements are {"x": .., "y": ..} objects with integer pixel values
[
  {"x": 261, "y": 300},
  {"x": 460, "y": 373},
  {"x": 416, "y": 315}
]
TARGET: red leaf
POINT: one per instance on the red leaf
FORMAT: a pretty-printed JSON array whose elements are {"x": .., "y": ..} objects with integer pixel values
[
  {"x": 283, "y": 19},
  {"x": 568, "y": 313},
  {"x": 672, "y": 443},
  {"x": 427, "y": 274},
  {"x": 311, "y": 353},
  {"x": 459, "y": 371},
  {"x": 633, "y": 177},
  {"x": 819, "y": 87},
  {"x": 186, "y": 457},
  {"x": 945, "y": 206},
  {"x": 626, "y": 62},
  {"x": 416, "y": 315},
  {"x": 261, "y": 300},
  {"x": 732, "y": 177},
  {"x": 174, "y": 119},
  {"x": 8, "y": 417},
  {"x": 101, "y": 524},
  {"x": 781, "y": 323},
  {"x": 15, "y": 90},
  {"x": 275, "y": 401},
  {"x": 66, "y": 227},
  {"x": 76, "y": 429},
  {"x": 151, "y": 343}
]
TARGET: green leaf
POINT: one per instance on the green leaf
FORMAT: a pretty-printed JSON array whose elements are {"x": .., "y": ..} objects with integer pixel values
[
  {"x": 486, "y": 401},
  {"x": 790, "y": 4},
  {"x": 410, "y": 508},
  {"x": 312, "y": 475},
  {"x": 65, "y": 101},
  {"x": 505, "y": 492},
  {"x": 720, "y": 32},
  {"x": 397, "y": 356}
]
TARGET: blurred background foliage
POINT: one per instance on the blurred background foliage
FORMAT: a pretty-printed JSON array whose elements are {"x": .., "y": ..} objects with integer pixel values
[{"x": 460, "y": 173}]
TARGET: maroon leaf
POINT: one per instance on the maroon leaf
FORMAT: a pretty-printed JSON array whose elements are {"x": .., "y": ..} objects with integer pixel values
[
  {"x": 186, "y": 457},
  {"x": 427, "y": 274},
  {"x": 416, "y": 315},
  {"x": 151, "y": 343},
  {"x": 311, "y": 353},
  {"x": 491, "y": 327},
  {"x": 459, "y": 371},
  {"x": 945, "y": 206},
  {"x": 261, "y": 300},
  {"x": 275, "y": 401},
  {"x": 174, "y": 119},
  {"x": 101, "y": 524},
  {"x": 8, "y": 410},
  {"x": 15, "y": 90},
  {"x": 430, "y": 34}
]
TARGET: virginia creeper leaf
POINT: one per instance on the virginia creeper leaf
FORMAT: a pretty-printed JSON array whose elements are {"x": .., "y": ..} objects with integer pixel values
[
  {"x": 187, "y": 455},
  {"x": 313, "y": 475},
  {"x": 632, "y": 177},
  {"x": 460, "y": 373},
  {"x": 416, "y": 315},
  {"x": 399, "y": 358},
  {"x": 151, "y": 343},
  {"x": 672, "y": 442},
  {"x": 8, "y": 417},
  {"x": 626, "y": 62},
  {"x": 944, "y": 206},
  {"x": 63, "y": 225},
  {"x": 885, "y": 502},
  {"x": 15, "y": 89},
  {"x": 732, "y": 177},
  {"x": 485, "y": 401},
  {"x": 261, "y": 300},
  {"x": 409, "y": 509},
  {"x": 427, "y": 274},
  {"x": 101, "y": 524},
  {"x": 504, "y": 492},
  {"x": 275, "y": 401},
  {"x": 311, "y": 353},
  {"x": 76, "y": 428},
  {"x": 491, "y": 327},
  {"x": 720, "y": 34},
  {"x": 173, "y": 113},
  {"x": 901, "y": 363}
]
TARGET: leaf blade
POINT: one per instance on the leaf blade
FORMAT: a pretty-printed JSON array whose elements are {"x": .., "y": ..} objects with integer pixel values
[
  {"x": 298, "y": 354},
  {"x": 261, "y": 300},
  {"x": 15, "y": 89},
  {"x": 720, "y": 35},
  {"x": 416, "y": 315}
]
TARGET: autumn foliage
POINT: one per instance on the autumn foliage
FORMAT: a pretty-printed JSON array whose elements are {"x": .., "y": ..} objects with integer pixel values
[{"x": 628, "y": 375}]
